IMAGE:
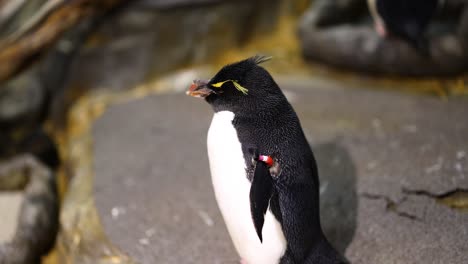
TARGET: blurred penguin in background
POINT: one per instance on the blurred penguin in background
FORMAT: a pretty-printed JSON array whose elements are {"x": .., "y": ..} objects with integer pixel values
[{"x": 405, "y": 19}]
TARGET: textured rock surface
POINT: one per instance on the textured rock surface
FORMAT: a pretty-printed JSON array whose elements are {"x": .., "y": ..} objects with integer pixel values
[
  {"x": 154, "y": 37},
  {"x": 21, "y": 104},
  {"x": 385, "y": 159},
  {"x": 37, "y": 219},
  {"x": 27, "y": 100},
  {"x": 21, "y": 98}
]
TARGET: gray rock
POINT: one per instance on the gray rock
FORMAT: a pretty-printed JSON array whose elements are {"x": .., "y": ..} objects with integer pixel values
[
  {"x": 21, "y": 107},
  {"x": 155, "y": 37},
  {"x": 21, "y": 100},
  {"x": 27, "y": 100},
  {"x": 23, "y": 11},
  {"x": 38, "y": 216},
  {"x": 162, "y": 4},
  {"x": 330, "y": 12},
  {"x": 384, "y": 159}
]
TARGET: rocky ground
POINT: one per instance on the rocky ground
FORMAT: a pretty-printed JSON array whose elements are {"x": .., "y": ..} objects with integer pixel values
[{"x": 394, "y": 175}]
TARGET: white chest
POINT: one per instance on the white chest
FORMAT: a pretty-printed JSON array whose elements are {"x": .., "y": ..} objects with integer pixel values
[{"x": 232, "y": 194}]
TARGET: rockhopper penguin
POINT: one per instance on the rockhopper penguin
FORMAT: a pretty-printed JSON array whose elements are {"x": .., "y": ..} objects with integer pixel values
[
  {"x": 406, "y": 19},
  {"x": 263, "y": 171}
]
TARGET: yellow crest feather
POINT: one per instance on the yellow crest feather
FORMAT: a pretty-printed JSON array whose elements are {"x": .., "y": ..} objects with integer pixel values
[
  {"x": 239, "y": 87},
  {"x": 219, "y": 84}
]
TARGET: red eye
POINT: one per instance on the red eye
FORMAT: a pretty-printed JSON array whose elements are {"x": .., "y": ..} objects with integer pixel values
[{"x": 193, "y": 87}]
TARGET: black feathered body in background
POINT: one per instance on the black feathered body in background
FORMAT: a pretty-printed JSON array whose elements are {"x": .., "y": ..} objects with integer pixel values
[{"x": 406, "y": 19}]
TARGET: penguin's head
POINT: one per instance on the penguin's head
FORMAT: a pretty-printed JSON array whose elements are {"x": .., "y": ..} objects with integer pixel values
[{"x": 237, "y": 85}]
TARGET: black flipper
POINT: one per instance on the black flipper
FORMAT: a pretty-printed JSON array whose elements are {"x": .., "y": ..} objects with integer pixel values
[{"x": 260, "y": 194}]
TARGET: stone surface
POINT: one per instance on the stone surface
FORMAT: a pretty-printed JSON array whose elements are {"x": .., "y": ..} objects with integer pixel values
[
  {"x": 27, "y": 100},
  {"x": 37, "y": 219},
  {"x": 21, "y": 12},
  {"x": 10, "y": 204},
  {"x": 385, "y": 161},
  {"x": 155, "y": 37},
  {"x": 173, "y": 3},
  {"x": 21, "y": 100}
]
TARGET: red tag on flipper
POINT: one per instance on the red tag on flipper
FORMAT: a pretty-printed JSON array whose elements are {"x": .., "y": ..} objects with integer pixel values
[{"x": 267, "y": 159}]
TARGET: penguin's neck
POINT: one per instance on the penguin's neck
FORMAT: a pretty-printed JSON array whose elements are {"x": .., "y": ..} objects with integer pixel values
[
  {"x": 262, "y": 115},
  {"x": 250, "y": 105}
]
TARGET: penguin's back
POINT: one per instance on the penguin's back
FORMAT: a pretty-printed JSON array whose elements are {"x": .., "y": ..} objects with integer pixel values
[{"x": 232, "y": 188}]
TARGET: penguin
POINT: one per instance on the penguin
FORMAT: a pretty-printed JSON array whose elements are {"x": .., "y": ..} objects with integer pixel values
[
  {"x": 263, "y": 170},
  {"x": 405, "y": 19}
]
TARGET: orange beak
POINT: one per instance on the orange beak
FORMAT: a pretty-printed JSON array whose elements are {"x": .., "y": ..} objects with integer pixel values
[{"x": 199, "y": 89}]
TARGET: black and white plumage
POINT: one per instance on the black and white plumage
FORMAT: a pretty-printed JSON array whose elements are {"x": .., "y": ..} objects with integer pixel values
[
  {"x": 272, "y": 213},
  {"x": 405, "y": 19}
]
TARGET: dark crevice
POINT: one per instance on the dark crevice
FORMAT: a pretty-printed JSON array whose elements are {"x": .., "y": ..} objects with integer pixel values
[
  {"x": 456, "y": 198},
  {"x": 433, "y": 195},
  {"x": 391, "y": 205}
]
